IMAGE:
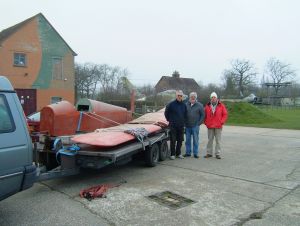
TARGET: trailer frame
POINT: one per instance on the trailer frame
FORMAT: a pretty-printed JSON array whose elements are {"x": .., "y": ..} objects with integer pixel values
[{"x": 155, "y": 148}]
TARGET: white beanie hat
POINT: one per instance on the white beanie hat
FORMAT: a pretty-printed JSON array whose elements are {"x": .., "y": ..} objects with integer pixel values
[{"x": 213, "y": 94}]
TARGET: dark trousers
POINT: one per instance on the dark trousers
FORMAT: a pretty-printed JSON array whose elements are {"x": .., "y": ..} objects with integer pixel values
[{"x": 176, "y": 138}]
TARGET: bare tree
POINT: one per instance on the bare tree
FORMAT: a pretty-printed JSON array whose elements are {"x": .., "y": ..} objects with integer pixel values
[
  {"x": 89, "y": 78},
  {"x": 229, "y": 84},
  {"x": 146, "y": 90},
  {"x": 111, "y": 78},
  {"x": 279, "y": 73},
  {"x": 242, "y": 73},
  {"x": 204, "y": 93},
  {"x": 86, "y": 79}
]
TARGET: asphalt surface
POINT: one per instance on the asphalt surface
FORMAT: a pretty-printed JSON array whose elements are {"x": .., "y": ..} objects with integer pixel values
[{"x": 255, "y": 183}]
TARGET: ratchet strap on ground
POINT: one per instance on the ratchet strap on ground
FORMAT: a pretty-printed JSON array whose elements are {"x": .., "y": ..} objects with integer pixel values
[{"x": 97, "y": 191}]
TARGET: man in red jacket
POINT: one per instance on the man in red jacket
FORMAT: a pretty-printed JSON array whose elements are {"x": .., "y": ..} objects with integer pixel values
[{"x": 215, "y": 117}]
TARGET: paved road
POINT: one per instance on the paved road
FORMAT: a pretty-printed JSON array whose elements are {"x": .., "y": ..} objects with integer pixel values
[{"x": 255, "y": 183}]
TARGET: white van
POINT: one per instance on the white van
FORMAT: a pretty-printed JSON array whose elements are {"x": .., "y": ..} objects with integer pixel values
[{"x": 17, "y": 172}]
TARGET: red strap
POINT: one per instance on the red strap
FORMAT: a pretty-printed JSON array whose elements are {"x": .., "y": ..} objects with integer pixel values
[
  {"x": 94, "y": 192},
  {"x": 97, "y": 191}
]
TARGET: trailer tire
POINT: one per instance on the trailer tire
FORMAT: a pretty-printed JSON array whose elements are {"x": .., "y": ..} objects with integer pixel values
[
  {"x": 163, "y": 150},
  {"x": 152, "y": 155}
]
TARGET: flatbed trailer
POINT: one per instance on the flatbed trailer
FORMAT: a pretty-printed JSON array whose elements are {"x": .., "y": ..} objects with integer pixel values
[{"x": 154, "y": 148}]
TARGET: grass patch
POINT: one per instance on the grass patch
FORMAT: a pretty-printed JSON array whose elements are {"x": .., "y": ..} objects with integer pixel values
[
  {"x": 245, "y": 114},
  {"x": 290, "y": 118}
]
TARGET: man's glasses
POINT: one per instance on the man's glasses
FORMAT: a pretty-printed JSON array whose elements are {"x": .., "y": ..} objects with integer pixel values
[{"x": 179, "y": 95}]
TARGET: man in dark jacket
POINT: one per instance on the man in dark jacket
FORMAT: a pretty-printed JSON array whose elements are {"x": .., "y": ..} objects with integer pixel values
[
  {"x": 175, "y": 114},
  {"x": 215, "y": 117},
  {"x": 195, "y": 117}
]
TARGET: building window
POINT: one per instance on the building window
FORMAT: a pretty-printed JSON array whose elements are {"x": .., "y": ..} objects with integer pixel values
[
  {"x": 20, "y": 59},
  {"x": 55, "y": 100},
  {"x": 57, "y": 68},
  {"x": 6, "y": 123}
]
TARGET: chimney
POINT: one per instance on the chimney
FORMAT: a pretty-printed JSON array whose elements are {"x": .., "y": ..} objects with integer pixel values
[{"x": 175, "y": 74}]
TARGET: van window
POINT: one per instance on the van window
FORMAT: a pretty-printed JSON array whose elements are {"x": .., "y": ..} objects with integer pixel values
[{"x": 6, "y": 123}]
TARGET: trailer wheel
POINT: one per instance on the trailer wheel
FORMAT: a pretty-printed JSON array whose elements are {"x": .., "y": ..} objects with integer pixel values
[
  {"x": 152, "y": 155},
  {"x": 163, "y": 150}
]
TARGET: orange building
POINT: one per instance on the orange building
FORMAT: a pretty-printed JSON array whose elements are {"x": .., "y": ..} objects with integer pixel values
[{"x": 38, "y": 62}]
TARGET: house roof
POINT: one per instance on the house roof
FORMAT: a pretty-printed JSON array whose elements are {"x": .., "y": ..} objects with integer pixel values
[
  {"x": 4, "y": 34},
  {"x": 170, "y": 82}
]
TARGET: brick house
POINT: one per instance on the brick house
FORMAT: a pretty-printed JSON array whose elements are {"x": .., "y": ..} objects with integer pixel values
[
  {"x": 38, "y": 62},
  {"x": 175, "y": 82}
]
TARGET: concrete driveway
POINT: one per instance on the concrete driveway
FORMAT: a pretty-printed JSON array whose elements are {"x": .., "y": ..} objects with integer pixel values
[{"x": 255, "y": 183}]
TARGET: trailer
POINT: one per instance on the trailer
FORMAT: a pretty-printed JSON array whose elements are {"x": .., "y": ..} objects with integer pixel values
[
  {"x": 63, "y": 155},
  {"x": 58, "y": 161}
]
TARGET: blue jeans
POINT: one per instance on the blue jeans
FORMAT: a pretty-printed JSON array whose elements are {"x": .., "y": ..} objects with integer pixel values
[{"x": 192, "y": 132}]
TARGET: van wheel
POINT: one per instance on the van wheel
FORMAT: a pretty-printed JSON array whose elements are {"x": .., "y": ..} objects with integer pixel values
[
  {"x": 163, "y": 150},
  {"x": 152, "y": 155}
]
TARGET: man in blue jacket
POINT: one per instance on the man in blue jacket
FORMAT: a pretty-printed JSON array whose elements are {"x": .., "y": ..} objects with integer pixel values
[
  {"x": 195, "y": 117},
  {"x": 175, "y": 114}
]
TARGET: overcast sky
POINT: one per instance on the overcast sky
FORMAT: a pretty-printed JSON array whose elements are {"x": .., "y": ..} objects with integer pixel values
[{"x": 153, "y": 38}]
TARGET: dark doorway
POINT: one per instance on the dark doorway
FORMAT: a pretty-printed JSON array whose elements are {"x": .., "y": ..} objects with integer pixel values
[{"x": 27, "y": 98}]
